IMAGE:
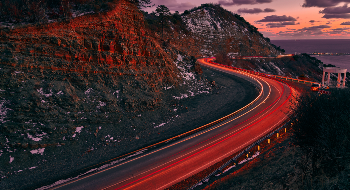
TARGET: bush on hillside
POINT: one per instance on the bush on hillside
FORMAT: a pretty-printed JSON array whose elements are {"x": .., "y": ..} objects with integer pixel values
[
  {"x": 328, "y": 65},
  {"x": 33, "y": 11},
  {"x": 223, "y": 58},
  {"x": 153, "y": 22},
  {"x": 322, "y": 130}
]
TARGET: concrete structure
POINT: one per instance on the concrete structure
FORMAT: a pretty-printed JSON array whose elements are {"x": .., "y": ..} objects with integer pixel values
[{"x": 330, "y": 70}]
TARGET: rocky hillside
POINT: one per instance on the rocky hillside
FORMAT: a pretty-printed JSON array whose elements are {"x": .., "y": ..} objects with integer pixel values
[
  {"x": 94, "y": 66},
  {"x": 223, "y": 33},
  {"x": 108, "y": 83},
  {"x": 210, "y": 30},
  {"x": 90, "y": 72},
  {"x": 221, "y": 30}
]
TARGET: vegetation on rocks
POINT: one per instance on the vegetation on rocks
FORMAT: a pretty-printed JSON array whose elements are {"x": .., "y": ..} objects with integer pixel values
[
  {"x": 322, "y": 131},
  {"x": 17, "y": 12},
  {"x": 223, "y": 58}
]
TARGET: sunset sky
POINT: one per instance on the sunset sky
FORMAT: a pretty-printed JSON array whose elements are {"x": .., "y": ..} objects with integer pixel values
[{"x": 283, "y": 19}]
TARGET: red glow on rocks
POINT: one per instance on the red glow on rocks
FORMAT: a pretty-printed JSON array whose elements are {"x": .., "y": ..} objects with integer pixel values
[{"x": 113, "y": 43}]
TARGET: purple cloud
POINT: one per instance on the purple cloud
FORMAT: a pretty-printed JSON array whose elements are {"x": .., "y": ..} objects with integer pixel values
[
  {"x": 268, "y": 10},
  {"x": 314, "y": 28},
  {"x": 280, "y": 24},
  {"x": 336, "y": 12},
  {"x": 340, "y": 31},
  {"x": 306, "y": 32},
  {"x": 328, "y": 16},
  {"x": 345, "y": 23},
  {"x": 278, "y": 21},
  {"x": 323, "y": 3},
  {"x": 243, "y": 2},
  {"x": 255, "y": 11},
  {"x": 313, "y": 22},
  {"x": 275, "y": 18}
]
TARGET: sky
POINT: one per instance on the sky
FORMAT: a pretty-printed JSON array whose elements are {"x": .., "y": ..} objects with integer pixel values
[{"x": 282, "y": 19}]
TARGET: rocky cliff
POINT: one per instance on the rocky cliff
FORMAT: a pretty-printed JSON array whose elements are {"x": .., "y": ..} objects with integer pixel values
[{"x": 62, "y": 72}]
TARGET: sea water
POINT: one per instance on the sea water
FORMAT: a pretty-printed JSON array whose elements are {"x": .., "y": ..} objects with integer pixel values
[{"x": 320, "y": 46}]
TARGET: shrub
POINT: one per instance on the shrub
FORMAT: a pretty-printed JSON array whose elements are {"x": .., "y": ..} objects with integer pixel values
[
  {"x": 328, "y": 65},
  {"x": 222, "y": 58},
  {"x": 186, "y": 12},
  {"x": 322, "y": 130},
  {"x": 33, "y": 11}
]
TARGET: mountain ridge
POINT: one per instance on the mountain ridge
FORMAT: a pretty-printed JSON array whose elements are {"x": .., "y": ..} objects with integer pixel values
[{"x": 209, "y": 30}]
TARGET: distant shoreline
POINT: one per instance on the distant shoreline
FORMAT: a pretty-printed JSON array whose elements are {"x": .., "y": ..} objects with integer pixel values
[
  {"x": 311, "y": 46},
  {"x": 328, "y": 54}
]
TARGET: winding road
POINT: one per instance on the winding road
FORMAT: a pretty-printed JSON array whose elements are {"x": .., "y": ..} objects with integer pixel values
[{"x": 177, "y": 160}]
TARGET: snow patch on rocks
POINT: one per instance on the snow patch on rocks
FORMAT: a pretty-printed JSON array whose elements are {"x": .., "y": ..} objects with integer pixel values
[
  {"x": 38, "y": 151},
  {"x": 77, "y": 130}
]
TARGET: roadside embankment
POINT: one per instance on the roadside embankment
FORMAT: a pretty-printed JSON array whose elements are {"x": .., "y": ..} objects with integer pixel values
[{"x": 228, "y": 95}]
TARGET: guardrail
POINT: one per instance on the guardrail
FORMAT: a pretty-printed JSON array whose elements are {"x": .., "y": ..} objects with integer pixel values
[
  {"x": 242, "y": 153},
  {"x": 324, "y": 92}
]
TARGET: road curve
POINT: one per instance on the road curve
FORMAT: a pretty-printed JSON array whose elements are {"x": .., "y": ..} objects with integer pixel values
[{"x": 178, "y": 160}]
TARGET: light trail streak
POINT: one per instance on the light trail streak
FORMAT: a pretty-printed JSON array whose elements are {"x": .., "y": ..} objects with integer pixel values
[
  {"x": 216, "y": 142},
  {"x": 188, "y": 138},
  {"x": 274, "y": 103}
]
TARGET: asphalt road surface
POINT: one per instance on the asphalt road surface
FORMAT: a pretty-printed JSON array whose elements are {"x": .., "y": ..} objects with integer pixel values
[{"x": 178, "y": 160}]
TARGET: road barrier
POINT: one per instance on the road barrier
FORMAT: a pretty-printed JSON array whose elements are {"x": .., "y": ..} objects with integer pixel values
[
  {"x": 324, "y": 92},
  {"x": 242, "y": 153}
]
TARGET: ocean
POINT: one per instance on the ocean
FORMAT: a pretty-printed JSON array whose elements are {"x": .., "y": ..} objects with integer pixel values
[{"x": 320, "y": 46}]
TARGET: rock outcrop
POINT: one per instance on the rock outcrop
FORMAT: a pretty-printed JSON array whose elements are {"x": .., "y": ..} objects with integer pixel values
[
  {"x": 113, "y": 44},
  {"x": 58, "y": 76}
]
